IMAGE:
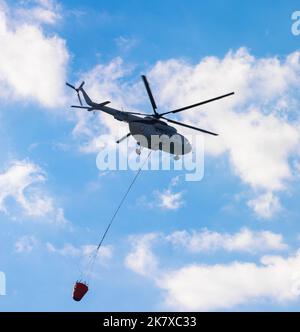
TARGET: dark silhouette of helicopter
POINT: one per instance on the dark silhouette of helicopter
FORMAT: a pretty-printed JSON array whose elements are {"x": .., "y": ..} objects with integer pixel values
[{"x": 148, "y": 129}]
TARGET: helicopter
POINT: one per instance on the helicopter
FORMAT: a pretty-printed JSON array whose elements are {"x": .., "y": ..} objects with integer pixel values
[{"x": 144, "y": 127}]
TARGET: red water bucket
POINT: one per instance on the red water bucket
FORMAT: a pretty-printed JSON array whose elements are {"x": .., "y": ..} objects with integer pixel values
[{"x": 80, "y": 289}]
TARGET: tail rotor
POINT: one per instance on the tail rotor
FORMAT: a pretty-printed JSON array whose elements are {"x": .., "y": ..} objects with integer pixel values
[{"x": 77, "y": 90}]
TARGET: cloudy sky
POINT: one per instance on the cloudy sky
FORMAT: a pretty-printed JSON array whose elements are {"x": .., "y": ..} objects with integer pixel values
[{"x": 228, "y": 242}]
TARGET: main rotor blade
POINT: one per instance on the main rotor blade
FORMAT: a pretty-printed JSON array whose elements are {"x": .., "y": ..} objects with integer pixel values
[
  {"x": 83, "y": 107},
  {"x": 79, "y": 98},
  {"x": 104, "y": 103},
  {"x": 70, "y": 85},
  {"x": 191, "y": 127},
  {"x": 198, "y": 104},
  {"x": 149, "y": 93}
]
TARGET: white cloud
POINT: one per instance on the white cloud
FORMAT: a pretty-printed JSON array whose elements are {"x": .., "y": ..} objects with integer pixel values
[
  {"x": 255, "y": 128},
  {"x": 165, "y": 200},
  {"x": 16, "y": 179},
  {"x": 245, "y": 240},
  {"x": 39, "y": 12},
  {"x": 141, "y": 259},
  {"x": 106, "y": 82},
  {"x": 175, "y": 181},
  {"x": 125, "y": 44},
  {"x": 85, "y": 252},
  {"x": 203, "y": 287},
  {"x": 25, "y": 49},
  {"x": 93, "y": 145},
  {"x": 169, "y": 200},
  {"x": 22, "y": 182},
  {"x": 214, "y": 287},
  {"x": 26, "y": 244},
  {"x": 39, "y": 15},
  {"x": 266, "y": 205}
]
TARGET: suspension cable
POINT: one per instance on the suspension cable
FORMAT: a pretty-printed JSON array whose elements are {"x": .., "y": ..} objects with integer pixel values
[{"x": 93, "y": 256}]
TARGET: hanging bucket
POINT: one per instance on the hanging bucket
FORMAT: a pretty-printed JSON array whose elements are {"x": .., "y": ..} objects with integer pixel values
[{"x": 80, "y": 289}]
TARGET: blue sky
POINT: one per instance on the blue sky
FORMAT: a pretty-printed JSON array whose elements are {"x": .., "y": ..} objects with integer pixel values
[{"x": 228, "y": 242}]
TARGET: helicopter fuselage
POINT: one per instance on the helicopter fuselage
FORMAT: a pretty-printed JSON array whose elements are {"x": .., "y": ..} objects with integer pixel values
[
  {"x": 158, "y": 135},
  {"x": 149, "y": 132}
]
